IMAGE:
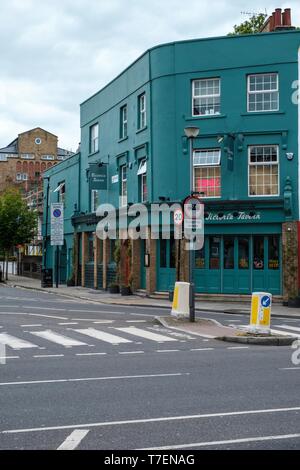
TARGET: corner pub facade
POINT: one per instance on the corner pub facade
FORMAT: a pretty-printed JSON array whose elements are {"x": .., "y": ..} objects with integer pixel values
[{"x": 241, "y": 92}]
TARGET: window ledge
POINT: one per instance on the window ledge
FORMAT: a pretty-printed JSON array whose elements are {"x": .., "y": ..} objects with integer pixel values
[
  {"x": 261, "y": 113},
  {"x": 141, "y": 130},
  {"x": 122, "y": 139},
  {"x": 93, "y": 153},
  {"x": 206, "y": 116}
]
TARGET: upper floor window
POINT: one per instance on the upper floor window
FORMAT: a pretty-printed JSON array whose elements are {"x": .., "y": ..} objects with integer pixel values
[
  {"x": 142, "y": 117},
  {"x": 3, "y": 157},
  {"x": 94, "y": 138},
  {"x": 47, "y": 157},
  {"x": 61, "y": 157},
  {"x": 21, "y": 176},
  {"x": 61, "y": 190},
  {"x": 95, "y": 201},
  {"x": 123, "y": 122},
  {"x": 207, "y": 172},
  {"x": 263, "y": 170},
  {"x": 142, "y": 174},
  {"x": 263, "y": 92},
  {"x": 123, "y": 188},
  {"x": 27, "y": 156},
  {"x": 206, "y": 97}
]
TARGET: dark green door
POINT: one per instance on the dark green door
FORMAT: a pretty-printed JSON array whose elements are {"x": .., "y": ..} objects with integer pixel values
[
  {"x": 63, "y": 264},
  {"x": 166, "y": 269},
  {"x": 266, "y": 264}
]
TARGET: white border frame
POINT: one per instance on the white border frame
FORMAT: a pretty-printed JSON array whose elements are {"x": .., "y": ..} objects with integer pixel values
[
  {"x": 264, "y": 91},
  {"x": 200, "y": 80},
  {"x": 262, "y": 164}
]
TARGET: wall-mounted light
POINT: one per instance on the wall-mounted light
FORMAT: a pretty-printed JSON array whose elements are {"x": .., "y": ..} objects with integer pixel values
[{"x": 289, "y": 156}]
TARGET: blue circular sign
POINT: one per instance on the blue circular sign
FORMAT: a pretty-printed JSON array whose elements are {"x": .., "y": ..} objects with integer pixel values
[
  {"x": 57, "y": 213},
  {"x": 266, "y": 301}
]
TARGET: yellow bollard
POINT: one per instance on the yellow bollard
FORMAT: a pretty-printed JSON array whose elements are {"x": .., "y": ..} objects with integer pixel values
[
  {"x": 261, "y": 305},
  {"x": 180, "y": 306}
]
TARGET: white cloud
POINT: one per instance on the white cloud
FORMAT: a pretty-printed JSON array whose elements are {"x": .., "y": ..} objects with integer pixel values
[{"x": 56, "y": 53}]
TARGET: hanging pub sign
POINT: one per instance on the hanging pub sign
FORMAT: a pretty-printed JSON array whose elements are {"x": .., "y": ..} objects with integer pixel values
[{"x": 98, "y": 176}]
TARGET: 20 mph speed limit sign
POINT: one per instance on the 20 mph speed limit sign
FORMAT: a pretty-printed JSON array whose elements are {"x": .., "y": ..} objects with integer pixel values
[{"x": 178, "y": 217}]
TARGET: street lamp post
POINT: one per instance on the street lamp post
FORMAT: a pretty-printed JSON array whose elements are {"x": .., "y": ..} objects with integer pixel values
[{"x": 191, "y": 133}]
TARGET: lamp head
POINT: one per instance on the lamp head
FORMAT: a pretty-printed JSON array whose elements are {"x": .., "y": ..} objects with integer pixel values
[{"x": 191, "y": 132}]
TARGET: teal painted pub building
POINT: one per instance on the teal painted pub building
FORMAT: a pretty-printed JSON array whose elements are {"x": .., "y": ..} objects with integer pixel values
[{"x": 241, "y": 93}]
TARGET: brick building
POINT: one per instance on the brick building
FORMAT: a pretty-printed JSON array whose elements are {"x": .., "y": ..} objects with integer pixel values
[{"x": 22, "y": 164}]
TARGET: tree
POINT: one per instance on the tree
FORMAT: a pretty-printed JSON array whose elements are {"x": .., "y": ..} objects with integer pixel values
[
  {"x": 251, "y": 26},
  {"x": 18, "y": 223}
]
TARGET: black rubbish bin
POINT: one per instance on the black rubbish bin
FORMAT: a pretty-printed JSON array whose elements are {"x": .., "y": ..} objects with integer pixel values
[{"x": 47, "y": 277}]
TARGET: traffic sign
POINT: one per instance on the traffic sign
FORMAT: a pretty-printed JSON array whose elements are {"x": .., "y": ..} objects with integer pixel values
[
  {"x": 57, "y": 224},
  {"x": 265, "y": 301},
  {"x": 178, "y": 217}
]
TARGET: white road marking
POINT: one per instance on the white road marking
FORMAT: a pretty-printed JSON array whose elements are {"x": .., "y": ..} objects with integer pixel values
[
  {"x": 15, "y": 343},
  {"x": 93, "y": 379},
  {"x": 67, "y": 323},
  {"x": 146, "y": 334},
  {"x": 57, "y": 338},
  {"x": 226, "y": 442},
  {"x": 136, "y": 321},
  {"x": 203, "y": 349},
  {"x": 290, "y": 368},
  {"x": 55, "y": 309},
  {"x": 288, "y": 327},
  {"x": 49, "y": 355},
  {"x": 104, "y": 321},
  {"x": 132, "y": 352},
  {"x": 46, "y": 316},
  {"x": 107, "y": 337},
  {"x": 238, "y": 347},
  {"x": 285, "y": 333},
  {"x": 91, "y": 354},
  {"x": 9, "y": 357},
  {"x": 73, "y": 440},
  {"x": 28, "y": 326},
  {"x": 152, "y": 420},
  {"x": 167, "y": 350}
]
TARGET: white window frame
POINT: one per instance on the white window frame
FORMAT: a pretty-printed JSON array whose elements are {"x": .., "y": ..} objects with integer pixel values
[
  {"x": 123, "y": 195},
  {"x": 47, "y": 157},
  {"x": 263, "y": 164},
  {"x": 142, "y": 174},
  {"x": 62, "y": 193},
  {"x": 3, "y": 157},
  {"x": 94, "y": 138},
  {"x": 19, "y": 177},
  {"x": 214, "y": 95},
  {"x": 124, "y": 122},
  {"x": 24, "y": 176},
  {"x": 207, "y": 164},
  {"x": 27, "y": 156},
  {"x": 94, "y": 200},
  {"x": 249, "y": 92},
  {"x": 142, "y": 111}
]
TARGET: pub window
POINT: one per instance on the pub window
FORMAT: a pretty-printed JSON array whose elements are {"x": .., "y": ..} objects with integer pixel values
[
  {"x": 228, "y": 252},
  {"x": 214, "y": 252},
  {"x": 206, "y": 97},
  {"x": 273, "y": 262},
  {"x": 243, "y": 253},
  {"x": 200, "y": 259},
  {"x": 94, "y": 138},
  {"x": 258, "y": 252}
]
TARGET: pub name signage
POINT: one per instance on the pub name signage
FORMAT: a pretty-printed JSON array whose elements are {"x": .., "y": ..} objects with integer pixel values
[{"x": 240, "y": 216}]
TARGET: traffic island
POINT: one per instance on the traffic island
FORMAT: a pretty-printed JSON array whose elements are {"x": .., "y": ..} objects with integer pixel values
[{"x": 212, "y": 329}]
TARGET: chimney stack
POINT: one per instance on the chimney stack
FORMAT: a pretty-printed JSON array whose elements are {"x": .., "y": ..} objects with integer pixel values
[
  {"x": 278, "y": 18},
  {"x": 287, "y": 18}
]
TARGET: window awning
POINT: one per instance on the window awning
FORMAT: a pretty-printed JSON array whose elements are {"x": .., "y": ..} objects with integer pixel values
[
  {"x": 59, "y": 187},
  {"x": 142, "y": 168}
]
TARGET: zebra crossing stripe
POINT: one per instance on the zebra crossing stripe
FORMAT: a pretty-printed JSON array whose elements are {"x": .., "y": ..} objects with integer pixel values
[
  {"x": 101, "y": 335},
  {"x": 57, "y": 338},
  {"x": 287, "y": 327},
  {"x": 15, "y": 343},
  {"x": 146, "y": 334}
]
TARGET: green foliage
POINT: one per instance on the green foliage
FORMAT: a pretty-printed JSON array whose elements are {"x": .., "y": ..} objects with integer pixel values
[
  {"x": 251, "y": 26},
  {"x": 18, "y": 223}
]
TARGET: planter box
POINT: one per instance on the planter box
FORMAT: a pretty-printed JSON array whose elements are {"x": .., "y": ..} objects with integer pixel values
[
  {"x": 114, "y": 290},
  {"x": 125, "y": 290}
]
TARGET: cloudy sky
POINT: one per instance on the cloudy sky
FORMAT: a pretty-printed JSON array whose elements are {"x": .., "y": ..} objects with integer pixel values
[{"x": 56, "y": 53}]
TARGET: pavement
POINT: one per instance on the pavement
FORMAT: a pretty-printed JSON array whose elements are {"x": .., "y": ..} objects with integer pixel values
[{"x": 104, "y": 297}]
